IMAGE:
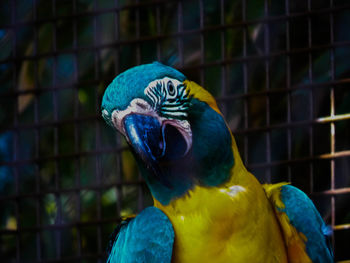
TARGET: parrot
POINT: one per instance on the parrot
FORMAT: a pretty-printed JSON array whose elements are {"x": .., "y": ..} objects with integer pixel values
[{"x": 207, "y": 207}]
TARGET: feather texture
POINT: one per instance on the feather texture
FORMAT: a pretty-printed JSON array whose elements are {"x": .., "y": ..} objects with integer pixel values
[
  {"x": 146, "y": 238},
  {"x": 223, "y": 214},
  {"x": 302, "y": 226}
]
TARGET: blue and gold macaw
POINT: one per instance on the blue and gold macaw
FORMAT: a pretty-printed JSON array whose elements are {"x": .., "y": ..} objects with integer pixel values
[{"x": 207, "y": 206}]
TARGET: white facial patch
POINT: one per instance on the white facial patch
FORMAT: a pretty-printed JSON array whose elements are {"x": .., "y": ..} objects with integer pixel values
[
  {"x": 169, "y": 97},
  {"x": 168, "y": 103},
  {"x": 162, "y": 84},
  {"x": 142, "y": 107},
  {"x": 138, "y": 106}
]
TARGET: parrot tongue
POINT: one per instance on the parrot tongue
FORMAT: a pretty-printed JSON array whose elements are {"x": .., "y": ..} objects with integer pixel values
[
  {"x": 157, "y": 145},
  {"x": 174, "y": 145}
]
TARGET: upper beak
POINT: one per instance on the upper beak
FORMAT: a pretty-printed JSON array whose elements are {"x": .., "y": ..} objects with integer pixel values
[{"x": 144, "y": 134}]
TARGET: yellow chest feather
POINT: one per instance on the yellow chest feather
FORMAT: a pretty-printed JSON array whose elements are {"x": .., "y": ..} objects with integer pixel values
[{"x": 227, "y": 224}]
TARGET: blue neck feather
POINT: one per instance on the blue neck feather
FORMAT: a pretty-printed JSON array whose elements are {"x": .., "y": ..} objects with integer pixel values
[{"x": 210, "y": 162}]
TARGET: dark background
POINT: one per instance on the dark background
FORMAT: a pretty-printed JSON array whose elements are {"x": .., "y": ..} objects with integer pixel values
[{"x": 279, "y": 69}]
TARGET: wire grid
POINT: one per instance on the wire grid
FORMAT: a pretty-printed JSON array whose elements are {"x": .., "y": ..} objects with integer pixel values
[{"x": 68, "y": 178}]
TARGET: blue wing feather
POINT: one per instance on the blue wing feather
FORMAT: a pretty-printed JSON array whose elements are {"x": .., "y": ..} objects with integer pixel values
[
  {"x": 149, "y": 237},
  {"x": 306, "y": 219}
]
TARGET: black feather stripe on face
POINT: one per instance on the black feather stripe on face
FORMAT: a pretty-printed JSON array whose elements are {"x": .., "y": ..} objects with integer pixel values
[{"x": 172, "y": 104}]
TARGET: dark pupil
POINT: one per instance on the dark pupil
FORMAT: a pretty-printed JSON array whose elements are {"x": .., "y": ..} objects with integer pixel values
[{"x": 171, "y": 88}]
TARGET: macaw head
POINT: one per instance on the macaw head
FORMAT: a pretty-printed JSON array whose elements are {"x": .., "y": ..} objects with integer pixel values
[{"x": 174, "y": 128}]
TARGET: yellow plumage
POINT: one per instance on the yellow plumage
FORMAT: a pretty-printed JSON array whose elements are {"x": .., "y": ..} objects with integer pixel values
[
  {"x": 218, "y": 210},
  {"x": 221, "y": 224},
  {"x": 232, "y": 221},
  {"x": 235, "y": 221},
  {"x": 294, "y": 240}
]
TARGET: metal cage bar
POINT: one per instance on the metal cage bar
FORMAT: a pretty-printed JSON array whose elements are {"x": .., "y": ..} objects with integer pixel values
[{"x": 104, "y": 185}]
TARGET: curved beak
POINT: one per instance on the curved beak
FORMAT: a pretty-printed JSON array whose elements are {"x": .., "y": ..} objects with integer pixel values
[
  {"x": 157, "y": 143},
  {"x": 144, "y": 134}
]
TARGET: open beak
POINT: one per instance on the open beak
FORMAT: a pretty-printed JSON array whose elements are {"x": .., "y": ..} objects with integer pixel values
[{"x": 158, "y": 143}]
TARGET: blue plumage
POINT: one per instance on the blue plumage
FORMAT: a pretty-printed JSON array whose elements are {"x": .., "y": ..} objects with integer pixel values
[
  {"x": 131, "y": 84},
  {"x": 182, "y": 143},
  {"x": 148, "y": 237},
  {"x": 211, "y": 144},
  {"x": 304, "y": 216}
]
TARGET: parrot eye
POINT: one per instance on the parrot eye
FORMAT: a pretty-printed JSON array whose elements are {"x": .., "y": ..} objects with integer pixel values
[
  {"x": 168, "y": 97},
  {"x": 171, "y": 89}
]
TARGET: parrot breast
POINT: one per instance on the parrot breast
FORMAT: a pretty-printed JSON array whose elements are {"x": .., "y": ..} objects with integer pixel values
[{"x": 220, "y": 224}]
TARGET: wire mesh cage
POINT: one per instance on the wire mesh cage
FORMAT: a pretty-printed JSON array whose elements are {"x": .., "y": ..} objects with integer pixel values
[{"x": 278, "y": 69}]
